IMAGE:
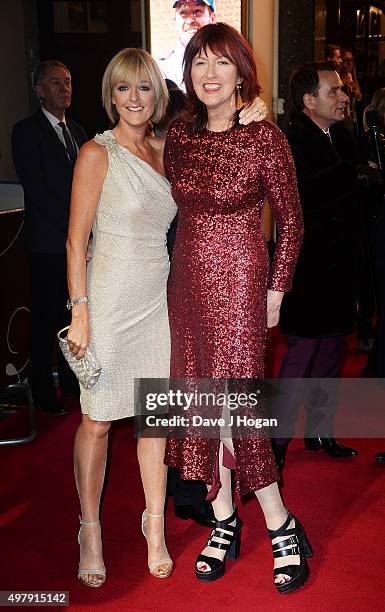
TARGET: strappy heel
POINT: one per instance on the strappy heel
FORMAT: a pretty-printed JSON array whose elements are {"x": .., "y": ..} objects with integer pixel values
[
  {"x": 296, "y": 543},
  {"x": 230, "y": 541},
  {"x": 99, "y": 573},
  {"x": 156, "y": 565}
]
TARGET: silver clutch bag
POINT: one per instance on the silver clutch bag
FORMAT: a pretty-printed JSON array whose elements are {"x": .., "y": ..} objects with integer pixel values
[{"x": 87, "y": 370}]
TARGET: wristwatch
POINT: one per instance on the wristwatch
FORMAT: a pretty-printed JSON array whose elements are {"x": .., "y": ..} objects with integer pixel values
[{"x": 74, "y": 301}]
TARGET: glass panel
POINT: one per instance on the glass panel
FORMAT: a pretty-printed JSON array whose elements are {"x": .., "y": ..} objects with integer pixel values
[
  {"x": 80, "y": 17},
  {"x": 359, "y": 53},
  {"x": 348, "y": 21},
  {"x": 97, "y": 16},
  {"x": 136, "y": 16},
  {"x": 319, "y": 30},
  {"x": 69, "y": 16},
  {"x": 376, "y": 22},
  {"x": 381, "y": 59},
  {"x": 373, "y": 61},
  {"x": 376, "y": 59},
  {"x": 375, "y": 74},
  {"x": 360, "y": 23}
]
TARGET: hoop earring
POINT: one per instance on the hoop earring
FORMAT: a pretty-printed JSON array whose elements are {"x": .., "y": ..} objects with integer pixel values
[{"x": 238, "y": 99}]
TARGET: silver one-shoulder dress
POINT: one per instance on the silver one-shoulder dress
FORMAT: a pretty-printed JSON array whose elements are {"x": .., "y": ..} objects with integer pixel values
[{"x": 127, "y": 280}]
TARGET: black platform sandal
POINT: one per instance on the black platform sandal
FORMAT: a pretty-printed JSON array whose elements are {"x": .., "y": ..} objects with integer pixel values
[
  {"x": 230, "y": 536},
  {"x": 295, "y": 544}
]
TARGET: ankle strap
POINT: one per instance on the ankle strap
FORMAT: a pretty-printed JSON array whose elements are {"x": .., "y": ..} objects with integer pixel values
[
  {"x": 225, "y": 523},
  {"x": 83, "y": 522},
  {"x": 281, "y": 530},
  {"x": 154, "y": 515}
]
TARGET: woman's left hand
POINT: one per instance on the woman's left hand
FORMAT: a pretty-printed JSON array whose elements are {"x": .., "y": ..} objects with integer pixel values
[
  {"x": 274, "y": 300},
  {"x": 257, "y": 111}
]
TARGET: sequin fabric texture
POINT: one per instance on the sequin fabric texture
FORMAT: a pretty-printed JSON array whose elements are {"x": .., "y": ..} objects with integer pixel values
[{"x": 220, "y": 272}]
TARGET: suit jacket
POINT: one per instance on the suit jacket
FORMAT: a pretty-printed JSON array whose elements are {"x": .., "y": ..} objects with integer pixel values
[
  {"x": 323, "y": 298},
  {"x": 45, "y": 174}
]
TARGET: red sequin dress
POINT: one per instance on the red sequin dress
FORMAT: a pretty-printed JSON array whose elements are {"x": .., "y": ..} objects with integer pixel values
[{"x": 220, "y": 273}]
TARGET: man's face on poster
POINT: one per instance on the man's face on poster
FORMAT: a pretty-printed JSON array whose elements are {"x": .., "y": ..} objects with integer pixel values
[{"x": 189, "y": 17}]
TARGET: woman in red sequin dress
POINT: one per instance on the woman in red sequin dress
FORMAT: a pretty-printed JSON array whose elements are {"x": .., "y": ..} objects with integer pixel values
[{"x": 222, "y": 293}]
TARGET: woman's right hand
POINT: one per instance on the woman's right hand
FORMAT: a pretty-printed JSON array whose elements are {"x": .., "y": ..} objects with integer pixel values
[
  {"x": 78, "y": 336},
  {"x": 274, "y": 300}
]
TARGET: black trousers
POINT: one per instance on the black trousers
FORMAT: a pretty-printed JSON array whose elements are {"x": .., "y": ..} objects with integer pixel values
[
  {"x": 308, "y": 358},
  {"x": 186, "y": 492},
  {"x": 49, "y": 291}
]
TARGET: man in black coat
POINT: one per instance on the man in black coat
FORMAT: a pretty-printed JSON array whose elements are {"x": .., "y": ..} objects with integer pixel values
[
  {"x": 320, "y": 309},
  {"x": 44, "y": 148}
]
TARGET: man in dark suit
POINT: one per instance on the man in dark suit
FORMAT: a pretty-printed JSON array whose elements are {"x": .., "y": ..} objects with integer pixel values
[
  {"x": 44, "y": 149},
  {"x": 320, "y": 310}
]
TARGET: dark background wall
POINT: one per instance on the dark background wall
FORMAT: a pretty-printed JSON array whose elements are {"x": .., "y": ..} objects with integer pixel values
[
  {"x": 28, "y": 35},
  {"x": 296, "y": 43},
  {"x": 18, "y": 44},
  {"x": 87, "y": 55}
]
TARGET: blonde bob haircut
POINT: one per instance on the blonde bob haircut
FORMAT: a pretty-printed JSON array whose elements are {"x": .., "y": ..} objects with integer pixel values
[{"x": 127, "y": 66}]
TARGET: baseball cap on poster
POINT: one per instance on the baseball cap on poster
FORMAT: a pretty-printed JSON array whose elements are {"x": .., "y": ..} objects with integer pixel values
[{"x": 210, "y": 3}]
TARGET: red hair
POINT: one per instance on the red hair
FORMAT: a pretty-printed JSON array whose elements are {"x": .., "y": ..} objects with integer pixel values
[{"x": 224, "y": 41}]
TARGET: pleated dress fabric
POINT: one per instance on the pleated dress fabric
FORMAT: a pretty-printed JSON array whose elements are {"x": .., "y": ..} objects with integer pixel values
[
  {"x": 220, "y": 273},
  {"x": 127, "y": 281}
]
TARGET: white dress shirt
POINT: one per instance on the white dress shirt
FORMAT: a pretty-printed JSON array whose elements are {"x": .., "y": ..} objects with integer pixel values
[
  {"x": 171, "y": 65},
  {"x": 328, "y": 134},
  {"x": 54, "y": 121}
]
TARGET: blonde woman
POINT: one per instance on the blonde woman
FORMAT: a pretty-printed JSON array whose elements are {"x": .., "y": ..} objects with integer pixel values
[{"x": 120, "y": 191}]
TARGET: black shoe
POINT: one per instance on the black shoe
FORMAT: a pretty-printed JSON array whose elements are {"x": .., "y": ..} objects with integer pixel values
[
  {"x": 380, "y": 457},
  {"x": 295, "y": 544},
  {"x": 50, "y": 405},
  {"x": 330, "y": 446},
  {"x": 279, "y": 451},
  {"x": 230, "y": 541},
  {"x": 203, "y": 515}
]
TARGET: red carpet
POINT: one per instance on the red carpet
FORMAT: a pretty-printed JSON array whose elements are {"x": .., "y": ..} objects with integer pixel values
[{"x": 341, "y": 504}]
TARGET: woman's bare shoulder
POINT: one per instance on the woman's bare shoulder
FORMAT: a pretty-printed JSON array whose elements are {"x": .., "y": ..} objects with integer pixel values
[
  {"x": 93, "y": 156},
  {"x": 93, "y": 150},
  {"x": 92, "y": 161}
]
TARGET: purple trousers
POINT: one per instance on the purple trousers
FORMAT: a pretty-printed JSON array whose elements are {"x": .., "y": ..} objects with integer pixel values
[{"x": 309, "y": 358}]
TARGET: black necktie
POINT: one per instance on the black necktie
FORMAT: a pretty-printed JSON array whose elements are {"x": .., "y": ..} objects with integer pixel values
[{"x": 68, "y": 140}]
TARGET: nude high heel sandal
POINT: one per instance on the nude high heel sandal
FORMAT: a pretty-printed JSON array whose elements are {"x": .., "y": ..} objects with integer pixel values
[
  {"x": 86, "y": 576},
  {"x": 155, "y": 566}
]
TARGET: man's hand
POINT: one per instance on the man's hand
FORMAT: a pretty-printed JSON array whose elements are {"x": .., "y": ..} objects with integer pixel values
[
  {"x": 274, "y": 300},
  {"x": 256, "y": 111}
]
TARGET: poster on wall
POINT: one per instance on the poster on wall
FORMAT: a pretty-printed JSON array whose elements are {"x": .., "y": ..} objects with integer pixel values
[{"x": 170, "y": 24}]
